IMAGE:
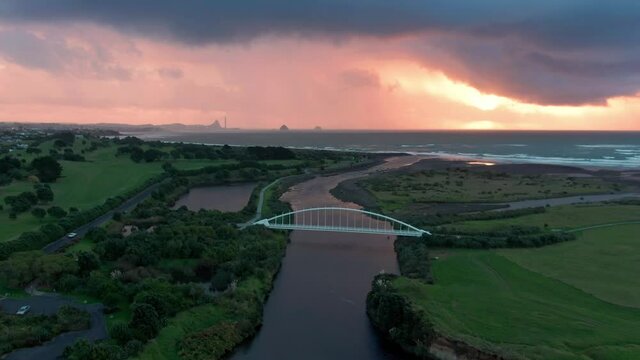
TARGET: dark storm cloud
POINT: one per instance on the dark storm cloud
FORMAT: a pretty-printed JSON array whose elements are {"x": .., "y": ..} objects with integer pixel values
[
  {"x": 559, "y": 51},
  {"x": 31, "y": 51},
  {"x": 54, "y": 55},
  {"x": 561, "y": 23}
]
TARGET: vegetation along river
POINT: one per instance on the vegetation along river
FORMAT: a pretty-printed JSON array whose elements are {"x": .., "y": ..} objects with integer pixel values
[{"x": 317, "y": 307}]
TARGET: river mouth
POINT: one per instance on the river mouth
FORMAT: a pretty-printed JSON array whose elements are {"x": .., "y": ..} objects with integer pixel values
[
  {"x": 220, "y": 197},
  {"x": 317, "y": 308}
]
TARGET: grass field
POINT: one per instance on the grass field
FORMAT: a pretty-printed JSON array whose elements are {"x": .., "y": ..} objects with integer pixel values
[
  {"x": 574, "y": 300},
  {"x": 82, "y": 185},
  {"x": 195, "y": 164},
  {"x": 494, "y": 304},
  {"x": 560, "y": 217},
  {"x": 164, "y": 346},
  {"x": 397, "y": 190},
  {"x": 604, "y": 262}
]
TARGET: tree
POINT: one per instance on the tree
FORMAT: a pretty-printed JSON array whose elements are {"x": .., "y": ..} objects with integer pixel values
[
  {"x": 18, "y": 269},
  {"x": 47, "y": 168},
  {"x": 145, "y": 322},
  {"x": 88, "y": 260},
  {"x": 44, "y": 193},
  {"x": 51, "y": 267},
  {"x": 38, "y": 212},
  {"x": 22, "y": 202},
  {"x": 153, "y": 155},
  {"x": 221, "y": 280},
  {"x": 222, "y": 174},
  {"x": 56, "y": 212}
]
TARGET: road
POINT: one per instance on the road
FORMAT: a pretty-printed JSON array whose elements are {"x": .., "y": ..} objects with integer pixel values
[
  {"x": 580, "y": 199},
  {"x": 604, "y": 225},
  {"x": 82, "y": 230},
  {"x": 49, "y": 305},
  {"x": 258, "y": 214}
]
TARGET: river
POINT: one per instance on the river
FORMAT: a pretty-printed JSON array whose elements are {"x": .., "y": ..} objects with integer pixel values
[{"x": 317, "y": 309}]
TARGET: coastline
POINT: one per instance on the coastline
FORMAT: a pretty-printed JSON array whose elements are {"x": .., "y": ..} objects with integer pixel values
[{"x": 601, "y": 153}]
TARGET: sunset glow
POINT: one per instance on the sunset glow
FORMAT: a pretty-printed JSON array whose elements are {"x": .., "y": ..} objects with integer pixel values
[{"x": 89, "y": 72}]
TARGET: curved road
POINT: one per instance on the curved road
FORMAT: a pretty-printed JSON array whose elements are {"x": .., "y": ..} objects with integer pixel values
[
  {"x": 604, "y": 225},
  {"x": 82, "y": 230},
  {"x": 258, "y": 214},
  {"x": 49, "y": 305},
  {"x": 568, "y": 200}
]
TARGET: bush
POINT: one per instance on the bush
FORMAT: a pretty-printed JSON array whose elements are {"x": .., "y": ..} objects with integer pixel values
[
  {"x": 413, "y": 258},
  {"x": 39, "y": 213},
  {"x": 56, "y": 212},
  {"x": 145, "y": 322},
  {"x": 397, "y": 320},
  {"x": 121, "y": 333},
  {"x": 211, "y": 343}
]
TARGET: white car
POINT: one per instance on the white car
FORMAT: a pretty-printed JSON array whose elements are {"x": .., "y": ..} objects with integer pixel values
[
  {"x": 23, "y": 310},
  {"x": 71, "y": 235}
]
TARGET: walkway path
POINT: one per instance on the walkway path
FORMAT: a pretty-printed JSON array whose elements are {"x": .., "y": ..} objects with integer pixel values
[
  {"x": 260, "y": 204},
  {"x": 604, "y": 225}
]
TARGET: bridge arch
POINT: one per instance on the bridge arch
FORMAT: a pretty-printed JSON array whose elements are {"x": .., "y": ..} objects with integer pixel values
[{"x": 337, "y": 219}]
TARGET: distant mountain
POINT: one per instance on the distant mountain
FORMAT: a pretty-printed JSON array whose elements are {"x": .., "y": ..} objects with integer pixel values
[
  {"x": 284, "y": 128},
  {"x": 214, "y": 126},
  {"x": 317, "y": 128}
]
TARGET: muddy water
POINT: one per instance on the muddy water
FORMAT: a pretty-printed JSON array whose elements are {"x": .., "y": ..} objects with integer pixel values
[
  {"x": 317, "y": 308},
  {"x": 223, "y": 198}
]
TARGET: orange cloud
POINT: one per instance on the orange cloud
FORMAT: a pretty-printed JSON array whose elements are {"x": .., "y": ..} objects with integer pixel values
[{"x": 303, "y": 83}]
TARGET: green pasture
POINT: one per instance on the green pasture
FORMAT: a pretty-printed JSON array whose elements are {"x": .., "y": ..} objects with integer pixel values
[
  {"x": 559, "y": 217},
  {"x": 397, "y": 190},
  {"x": 492, "y": 303},
  {"x": 83, "y": 185},
  {"x": 604, "y": 262}
]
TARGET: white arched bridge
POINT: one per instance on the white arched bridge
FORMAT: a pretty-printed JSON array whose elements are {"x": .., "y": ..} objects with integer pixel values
[{"x": 338, "y": 219}]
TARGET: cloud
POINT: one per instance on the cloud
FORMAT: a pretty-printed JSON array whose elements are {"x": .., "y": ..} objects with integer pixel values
[
  {"x": 360, "y": 78},
  {"x": 54, "y": 54},
  {"x": 30, "y": 51},
  {"x": 546, "y": 51},
  {"x": 170, "y": 73}
]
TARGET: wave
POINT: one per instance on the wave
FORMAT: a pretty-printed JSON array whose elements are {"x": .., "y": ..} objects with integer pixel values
[{"x": 630, "y": 162}]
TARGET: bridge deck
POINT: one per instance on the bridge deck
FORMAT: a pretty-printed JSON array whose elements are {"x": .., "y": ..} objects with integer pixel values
[{"x": 341, "y": 220}]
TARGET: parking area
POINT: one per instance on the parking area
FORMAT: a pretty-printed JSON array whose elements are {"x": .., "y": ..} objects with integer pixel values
[{"x": 49, "y": 305}]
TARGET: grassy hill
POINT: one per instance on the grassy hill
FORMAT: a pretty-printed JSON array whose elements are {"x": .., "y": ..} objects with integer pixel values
[{"x": 574, "y": 300}]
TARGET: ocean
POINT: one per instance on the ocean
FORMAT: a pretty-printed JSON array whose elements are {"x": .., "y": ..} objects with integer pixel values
[{"x": 580, "y": 148}]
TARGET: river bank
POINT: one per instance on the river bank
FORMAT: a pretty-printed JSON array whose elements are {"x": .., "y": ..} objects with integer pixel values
[
  {"x": 317, "y": 308},
  {"x": 615, "y": 185}
]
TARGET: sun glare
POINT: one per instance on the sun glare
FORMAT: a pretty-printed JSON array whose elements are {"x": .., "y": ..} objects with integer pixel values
[
  {"x": 481, "y": 125},
  {"x": 416, "y": 79}
]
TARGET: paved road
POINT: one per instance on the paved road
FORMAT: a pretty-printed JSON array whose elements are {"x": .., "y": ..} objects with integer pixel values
[
  {"x": 49, "y": 305},
  {"x": 604, "y": 225},
  {"x": 258, "y": 215},
  {"x": 524, "y": 204},
  {"x": 82, "y": 230}
]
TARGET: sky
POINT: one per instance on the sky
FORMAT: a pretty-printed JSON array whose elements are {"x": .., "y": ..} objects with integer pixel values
[{"x": 338, "y": 64}]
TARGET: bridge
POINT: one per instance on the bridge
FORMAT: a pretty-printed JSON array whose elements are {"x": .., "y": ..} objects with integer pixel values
[{"x": 338, "y": 219}]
